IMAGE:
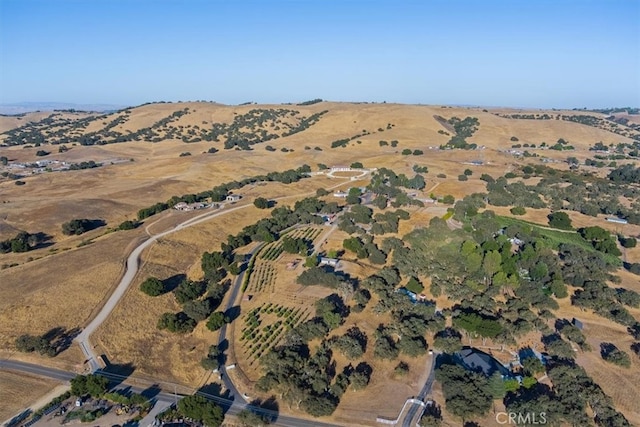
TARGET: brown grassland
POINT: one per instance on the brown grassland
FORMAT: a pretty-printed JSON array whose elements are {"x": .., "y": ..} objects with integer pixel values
[
  {"x": 65, "y": 284},
  {"x": 19, "y": 389}
]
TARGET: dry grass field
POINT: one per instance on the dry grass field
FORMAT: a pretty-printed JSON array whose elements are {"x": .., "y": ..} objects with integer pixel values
[
  {"x": 19, "y": 390},
  {"x": 65, "y": 284}
]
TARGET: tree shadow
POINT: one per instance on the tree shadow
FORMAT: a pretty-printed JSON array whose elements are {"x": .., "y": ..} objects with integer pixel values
[
  {"x": 214, "y": 392},
  {"x": 560, "y": 324},
  {"x": 173, "y": 282},
  {"x": 19, "y": 418},
  {"x": 41, "y": 240},
  {"x": 117, "y": 372},
  {"x": 92, "y": 224},
  {"x": 268, "y": 408},
  {"x": 151, "y": 392},
  {"x": 60, "y": 339},
  {"x": 232, "y": 313}
]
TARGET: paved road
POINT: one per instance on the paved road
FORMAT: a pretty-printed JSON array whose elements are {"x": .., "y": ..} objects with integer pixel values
[
  {"x": 131, "y": 269},
  {"x": 162, "y": 399},
  {"x": 237, "y": 287},
  {"x": 413, "y": 410}
]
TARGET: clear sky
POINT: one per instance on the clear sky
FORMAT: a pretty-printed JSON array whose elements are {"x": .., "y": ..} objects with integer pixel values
[{"x": 535, "y": 53}]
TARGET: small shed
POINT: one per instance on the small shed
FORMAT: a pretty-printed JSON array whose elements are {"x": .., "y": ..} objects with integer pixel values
[
  {"x": 233, "y": 198},
  {"x": 578, "y": 324}
]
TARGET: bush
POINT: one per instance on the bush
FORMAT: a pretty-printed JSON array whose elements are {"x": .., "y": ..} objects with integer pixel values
[
  {"x": 176, "y": 322},
  {"x": 79, "y": 226},
  {"x": 462, "y": 178},
  {"x": 414, "y": 286},
  {"x": 356, "y": 165},
  {"x": 406, "y": 152},
  {"x": 560, "y": 220},
  {"x": 261, "y": 203},
  {"x": 612, "y": 354},
  {"x": 468, "y": 172},
  {"x": 518, "y": 210},
  {"x": 448, "y": 199},
  {"x": 152, "y": 287},
  {"x": 627, "y": 242},
  {"x": 128, "y": 225}
]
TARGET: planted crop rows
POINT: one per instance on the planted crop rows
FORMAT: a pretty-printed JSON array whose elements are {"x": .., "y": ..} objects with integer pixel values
[
  {"x": 264, "y": 326},
  {"x": 263, "y": 277}
]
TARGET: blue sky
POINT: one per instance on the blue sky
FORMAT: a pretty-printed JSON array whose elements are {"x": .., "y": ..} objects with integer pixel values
[{"x": 497, "y": 53}]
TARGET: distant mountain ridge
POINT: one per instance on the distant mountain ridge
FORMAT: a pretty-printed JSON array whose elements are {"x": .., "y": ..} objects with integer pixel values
[{"x": 27, "y": 107}]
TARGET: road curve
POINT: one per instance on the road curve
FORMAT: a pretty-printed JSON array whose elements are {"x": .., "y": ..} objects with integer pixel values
[
  {"x": 131, "y": 269},
  {"x": 413, "y": 410}
]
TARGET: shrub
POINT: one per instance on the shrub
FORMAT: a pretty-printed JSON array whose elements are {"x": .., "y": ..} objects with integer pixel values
[
  {"x": 406, "y": 152},
  {"x": 128, "y": 225},
  {"x": 560, "y": 220},
  {"x": 152, "y": 287},
  {"x": 79, "y": 226},
  {"x": 468, "y": 172},
  {"x": 627, "y": 242},
  {"x": 261, "y": 203},
  {"x": 518, "y": 210},
  {"x": 462, "y": 178},
  {"x": 612, "y": 354}
]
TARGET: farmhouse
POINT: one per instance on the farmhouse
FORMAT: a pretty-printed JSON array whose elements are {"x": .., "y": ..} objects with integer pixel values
[
  {"x": 232, "y": 198},
  {"x": 478, "y": 361},
  {"x": 340, "y": 194},
  {"x": 331, "y": 262},
  {"x": 182, "y": 206}
]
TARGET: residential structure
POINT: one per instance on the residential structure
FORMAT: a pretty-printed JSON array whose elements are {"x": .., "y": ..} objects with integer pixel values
[
  {"x": 232, "y": 198},
  {"x": 331, "y": 262},
  {"x": 479, "y": 361},
  {"x": 617, "y": 220}
]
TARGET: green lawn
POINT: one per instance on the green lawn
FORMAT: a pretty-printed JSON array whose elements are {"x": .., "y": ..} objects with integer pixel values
[{"x": 555, "y": 237}]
